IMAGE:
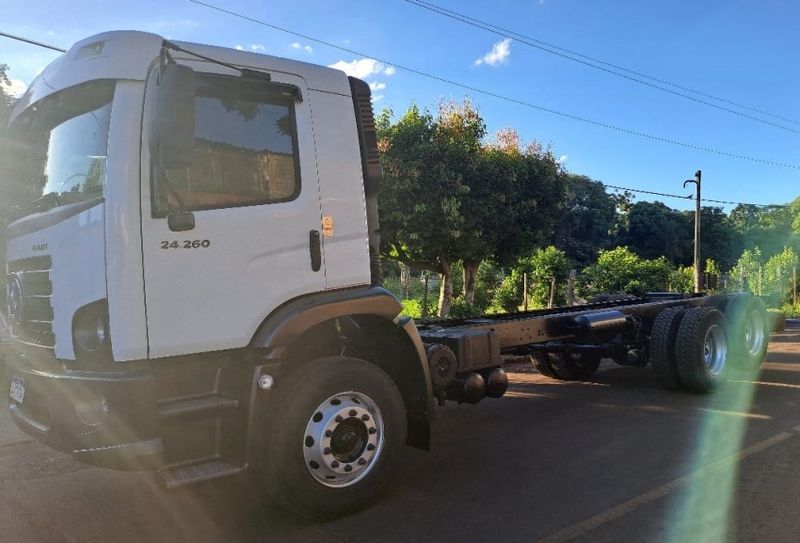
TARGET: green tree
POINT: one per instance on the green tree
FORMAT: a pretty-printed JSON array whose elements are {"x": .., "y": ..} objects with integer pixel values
[
  {"x": 681, "y": 279},
  {"x": 746, "y": 275},
  {"x": 7, "y": 161},
  {"x": 655, "y": 230},
  {"x": 425, "y": 162},
  {"x": 778, "y": 274},
  {"x": 448, "y": 198},
  {"x": 587, "y": 221},
  {"x": 719, "y": 240},
  {"x": 542, "y": 267}
]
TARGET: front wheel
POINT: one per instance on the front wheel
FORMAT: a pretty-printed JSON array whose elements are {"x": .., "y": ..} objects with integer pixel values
[{"x": 335, "y": 428}]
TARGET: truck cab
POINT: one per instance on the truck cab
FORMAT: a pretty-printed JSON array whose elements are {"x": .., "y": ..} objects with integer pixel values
[{"x": 198, "y": 236}]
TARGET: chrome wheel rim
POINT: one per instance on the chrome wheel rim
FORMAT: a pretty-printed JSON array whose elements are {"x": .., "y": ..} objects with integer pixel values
[
  {"x": 755, "y": 333},
  {"x": 343, "y": 439},
  {"x": 715, "y": 349}
]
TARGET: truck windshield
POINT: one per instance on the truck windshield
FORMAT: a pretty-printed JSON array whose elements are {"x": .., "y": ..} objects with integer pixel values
[{"x": 62, "y": 142}]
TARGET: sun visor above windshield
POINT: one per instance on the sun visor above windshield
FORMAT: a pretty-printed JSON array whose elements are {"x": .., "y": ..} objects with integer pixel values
[{"x": 112, "y": 55}]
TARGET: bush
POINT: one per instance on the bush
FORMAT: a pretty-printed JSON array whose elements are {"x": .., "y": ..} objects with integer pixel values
[
  {"x": 462, "y": 310},
  {"x": 778, "y": 275},
  {"x": 542, "y": 266},
  {"x": 682, "y": 279},
  {"x": 412, "y": 307},
  {"x": 792, "y": 311},
  {"x": 621, "y": 271}
]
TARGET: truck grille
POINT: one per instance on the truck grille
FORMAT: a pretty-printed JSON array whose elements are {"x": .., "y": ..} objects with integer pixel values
[{"x": 29, "y": 307}]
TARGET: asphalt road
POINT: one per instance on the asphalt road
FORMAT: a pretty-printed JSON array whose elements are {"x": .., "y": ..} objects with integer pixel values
[{"x": 615, "y": 459}]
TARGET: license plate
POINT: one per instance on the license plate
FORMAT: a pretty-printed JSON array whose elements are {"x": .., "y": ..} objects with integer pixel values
[{"x": 17, "y": 391}]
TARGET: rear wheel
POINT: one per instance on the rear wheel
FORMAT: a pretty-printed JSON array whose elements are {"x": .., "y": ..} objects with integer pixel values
[
  {"x": 336, "y": 428},
  {"x": 747, "y": 321},
  {"x": 542, "y": 362},
  {"x": 576, "y": 366},
  {"x": 662, "y": 346},
  {"x": 701, "y": 349}
]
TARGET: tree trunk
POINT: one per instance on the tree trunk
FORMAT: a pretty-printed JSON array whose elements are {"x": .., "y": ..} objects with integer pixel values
[
  {"x": 405, "y": 281},
  {"x": 470, "y": 280},
  {"x": 445, "y": 289}
]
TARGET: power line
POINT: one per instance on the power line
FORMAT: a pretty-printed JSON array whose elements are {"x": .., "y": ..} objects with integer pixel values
[
  {"x": 690, "y": 197},
  {"x": 608, "y": 67},
  {"x": 32, "y": 42},
  {"x": 509, "y": 99}
]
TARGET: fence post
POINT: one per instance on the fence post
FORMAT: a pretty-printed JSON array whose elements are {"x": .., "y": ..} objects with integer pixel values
[
  {"x": 552, "y": 303},
  {"x": 571, "y": 287},
  {"x": 794, "y": 285},
  {"x": 425, "y": 275},
  {"x": 525, "y": 291}
]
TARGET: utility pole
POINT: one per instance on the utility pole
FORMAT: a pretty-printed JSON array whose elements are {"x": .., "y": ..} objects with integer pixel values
[{"x": 697, "y": 269}]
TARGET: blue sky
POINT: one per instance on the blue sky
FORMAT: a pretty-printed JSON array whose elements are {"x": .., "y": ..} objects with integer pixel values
[{"x": 744, "y": 51}]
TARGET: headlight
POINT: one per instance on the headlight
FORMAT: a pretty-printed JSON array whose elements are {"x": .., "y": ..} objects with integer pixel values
[{"x": 90, "y": 328}]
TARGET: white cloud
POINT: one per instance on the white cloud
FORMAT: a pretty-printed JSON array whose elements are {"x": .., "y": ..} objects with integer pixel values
[
  {"x": 377, "y": 98},
  {"x": 376, "y": 86},
  {"x": 239, "y": 48},
  {"x": 498, "y": 55},
  {"x": 258, "y": 48},
  {"x": 363, "y": 68},
  {"x": 562, "y": 159},
  {"x": 16, "y": 88},
  {"x": 307, "y": 48}
]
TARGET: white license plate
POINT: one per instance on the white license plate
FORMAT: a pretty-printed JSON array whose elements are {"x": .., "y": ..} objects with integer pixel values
[{"x": 17, "y": 391}]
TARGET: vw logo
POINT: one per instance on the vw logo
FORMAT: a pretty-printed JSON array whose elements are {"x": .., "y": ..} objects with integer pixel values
[{"x": 15, "y": 299}]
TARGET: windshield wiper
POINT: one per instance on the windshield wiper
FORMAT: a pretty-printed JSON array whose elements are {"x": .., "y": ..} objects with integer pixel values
[{"x": 48, "y": 201}]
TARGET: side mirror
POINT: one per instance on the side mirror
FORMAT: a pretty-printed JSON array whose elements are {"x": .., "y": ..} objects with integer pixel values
[{"x": 174, "y": 116}]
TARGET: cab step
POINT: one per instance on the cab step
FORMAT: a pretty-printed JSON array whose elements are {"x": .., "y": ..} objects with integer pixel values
[{"x": 197, "y": 472}]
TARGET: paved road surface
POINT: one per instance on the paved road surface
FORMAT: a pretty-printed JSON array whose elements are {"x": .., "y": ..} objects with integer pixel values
[{"x": 617, "y": 459}]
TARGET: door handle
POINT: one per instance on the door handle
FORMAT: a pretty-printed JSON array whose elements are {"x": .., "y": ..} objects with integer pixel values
[
  {"x": 180, "y": 221},
  {"x": 316, "y": 249}
]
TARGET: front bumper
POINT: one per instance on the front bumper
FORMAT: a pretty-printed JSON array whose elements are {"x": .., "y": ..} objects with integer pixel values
[{"x": 103, "y": 418}]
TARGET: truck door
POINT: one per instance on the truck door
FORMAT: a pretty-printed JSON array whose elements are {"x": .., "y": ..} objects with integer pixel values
[{"x": 252, "y": 192}]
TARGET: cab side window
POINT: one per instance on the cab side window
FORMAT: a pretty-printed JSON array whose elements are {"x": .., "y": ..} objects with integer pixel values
[{"x": 245, "y": 149}]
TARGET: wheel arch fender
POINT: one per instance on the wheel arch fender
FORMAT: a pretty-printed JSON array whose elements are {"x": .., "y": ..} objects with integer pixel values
[{"x": 377, "y": 311}]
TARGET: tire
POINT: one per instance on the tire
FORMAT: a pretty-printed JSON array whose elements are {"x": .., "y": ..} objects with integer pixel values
[
  {"x": 338, "y": 426},
  {"x": 662, "y": 346},
  {"x": 701, "y": 349},
  {"x": 542, "y": 362},
  {"x": 747, "y": 321},
  {"x": 575, "y": 366}
]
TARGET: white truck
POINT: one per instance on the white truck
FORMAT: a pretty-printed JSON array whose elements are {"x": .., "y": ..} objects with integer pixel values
[{"x": 194, "y": 282}]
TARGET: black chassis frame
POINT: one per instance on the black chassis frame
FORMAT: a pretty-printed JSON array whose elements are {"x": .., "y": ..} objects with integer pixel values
[{"x": 559, "y": 329}]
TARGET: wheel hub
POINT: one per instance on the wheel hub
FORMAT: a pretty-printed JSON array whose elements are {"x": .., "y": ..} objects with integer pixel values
[
  {"x": 715, "y": 349},
  {"x": 754, "y": 333},
  {"x": 343, "y": 439}
]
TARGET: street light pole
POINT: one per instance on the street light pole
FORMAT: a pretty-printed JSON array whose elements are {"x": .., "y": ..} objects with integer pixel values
[{"x": 697, "y": 268}]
